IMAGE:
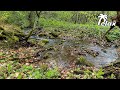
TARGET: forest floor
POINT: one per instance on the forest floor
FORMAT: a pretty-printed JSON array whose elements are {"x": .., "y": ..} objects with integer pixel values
[{"x": 56, "y": 54}]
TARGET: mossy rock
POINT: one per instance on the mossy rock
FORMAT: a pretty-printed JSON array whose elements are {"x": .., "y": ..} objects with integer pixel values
[
  {"x": 40, "y": 43},
  {"x": 10, "y": 31},
  {"x": 50, "y": 48},
  {"x": 9, "y": 27},
  {"x": 46, "y": 56},
  {"x": 82, "y": 61},
  {"x": 42, "y": 34},
  {"x": 55, "y": 34},
  {"x": 63, "y": 40},
  {"x": 15, "y": 38},
  {"x": 32, "y": 41},
  {"x": 43, "y": 42}
]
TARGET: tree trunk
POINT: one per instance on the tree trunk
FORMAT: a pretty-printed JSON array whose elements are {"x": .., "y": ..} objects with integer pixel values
[
  {"x": 36, "y": 20},
  {"x": 31, "y": 18}
]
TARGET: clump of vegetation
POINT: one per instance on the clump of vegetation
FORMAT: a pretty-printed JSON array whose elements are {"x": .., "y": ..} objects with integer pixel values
[
  {"x": 94, "y": 75},
  {"x": 82, "y": 61}
]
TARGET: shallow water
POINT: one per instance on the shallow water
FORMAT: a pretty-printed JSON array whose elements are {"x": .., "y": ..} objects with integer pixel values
[
  {"x": 65, "y": 51},
  {"x": 105, "y": 57}
]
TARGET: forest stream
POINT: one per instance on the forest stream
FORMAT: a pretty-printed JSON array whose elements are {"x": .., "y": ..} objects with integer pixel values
[
  {"x": 67, "y": 50},
  {"x": 60, "y": 45}
]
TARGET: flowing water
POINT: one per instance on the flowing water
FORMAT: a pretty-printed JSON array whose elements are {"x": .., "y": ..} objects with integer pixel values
[
  {"x": 67, "y": 49},
  {"x": 66, "y": 52},
  {"x": 105, "y": 56}
]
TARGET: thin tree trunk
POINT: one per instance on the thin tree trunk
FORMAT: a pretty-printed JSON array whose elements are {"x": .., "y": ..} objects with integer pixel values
[
  {"x": 31, "y": 19},
  {"x": 38, "y": 13}
]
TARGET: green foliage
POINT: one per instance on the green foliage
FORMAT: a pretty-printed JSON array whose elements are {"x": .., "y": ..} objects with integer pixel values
[
  {"x": 94, "y": 75},
  {"x": 113, "y": 35},
  {"x": 112, "y": 76},
  {"x": 9, "y": 68},
  {"x": 37, "y": 74},
  {"x": 18, "y": 18},
  {"x": 52, "y": 73},
  {"x": 27, "y": 68},
  {"x": 4, "y": 15},
  {"x": 1, "y": 53},
  {"x": 99, "y": 74}
]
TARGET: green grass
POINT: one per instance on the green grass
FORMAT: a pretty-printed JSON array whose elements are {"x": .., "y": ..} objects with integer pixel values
[{"x": 79, "y": 29}]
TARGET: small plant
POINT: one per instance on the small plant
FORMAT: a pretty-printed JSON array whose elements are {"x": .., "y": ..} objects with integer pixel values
[
  {"x": 98, "y": 74},
  {"x": 9, "y": 68},
  {"x": 94, "y": 74},
  {"x": 87, "y": 74},
  {"x": 82, "y": 61},
  {"x": 37, "y": 74},
  {"x": 27, "y": 68},
  {"x": 53, "y": 73},
  {"x": 112, "y": 76}
]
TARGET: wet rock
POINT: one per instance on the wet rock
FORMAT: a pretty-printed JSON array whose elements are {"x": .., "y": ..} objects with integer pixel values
[
  {"x": 92, "y": 52},
  {"x": 82, "y": 53},
  {"x": 43, "y": 42},
  {"x": 42, "y": 34},
  {"x": 55, "y": 34},
  {"x": 50, "y": 48},
  {"x": 63, "y": 40},
  {"x": 104, "y": 50}
]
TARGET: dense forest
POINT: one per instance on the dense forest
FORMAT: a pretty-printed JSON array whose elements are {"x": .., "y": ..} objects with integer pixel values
[{"x": 59, "y": 45}]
